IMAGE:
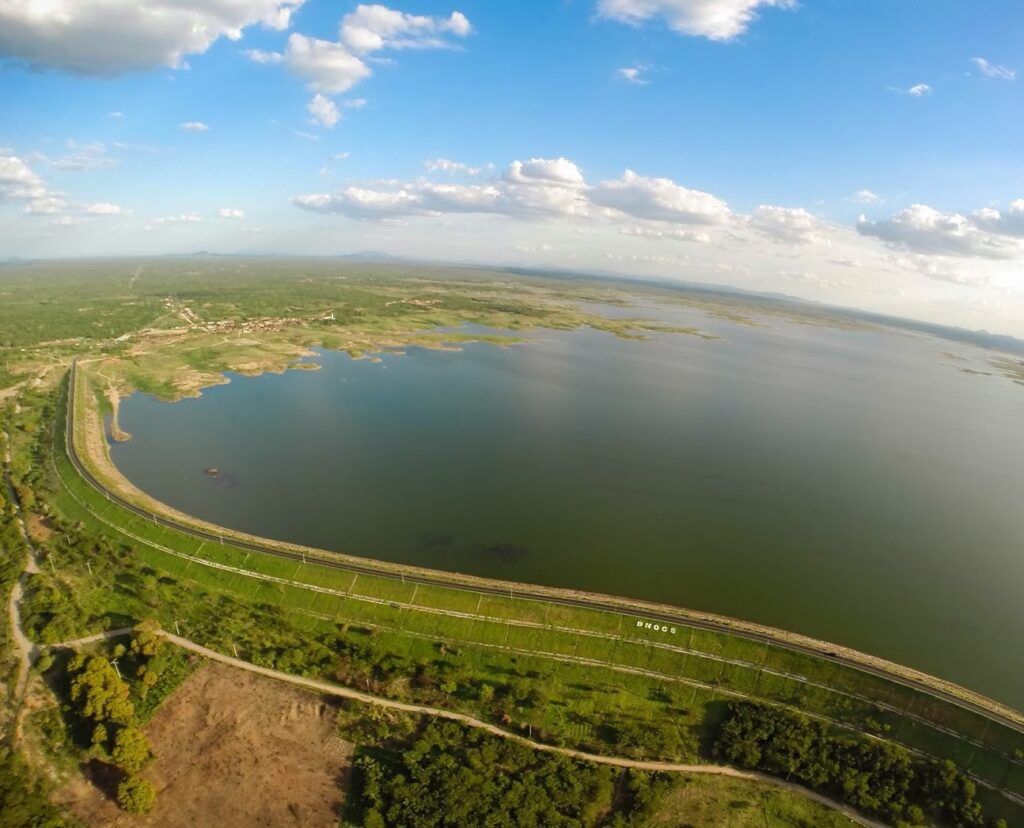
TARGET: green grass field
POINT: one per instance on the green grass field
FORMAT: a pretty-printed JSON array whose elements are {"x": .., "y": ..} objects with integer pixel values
[{"x": 597, "y": 665}]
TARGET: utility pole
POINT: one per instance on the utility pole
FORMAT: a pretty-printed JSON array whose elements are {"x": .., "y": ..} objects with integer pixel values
[
  {"x": 177, "y": 632},
  {"x": 114, "y": 663}
]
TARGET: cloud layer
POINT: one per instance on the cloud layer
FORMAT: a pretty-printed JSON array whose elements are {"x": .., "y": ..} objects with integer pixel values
[
  {"x": 713, "y": 19},
  {"x": 986, "y": 234},
  {"x": 106, "y": 37}
]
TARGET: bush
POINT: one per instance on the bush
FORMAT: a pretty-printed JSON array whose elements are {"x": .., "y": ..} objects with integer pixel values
[
  {"x": 136, "y": 795},
  {"x": 131, "y": 750}
]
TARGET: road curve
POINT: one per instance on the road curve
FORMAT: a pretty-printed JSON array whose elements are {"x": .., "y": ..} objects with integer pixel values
[
  {"x": 514, "y": 591},
  {"x": 340, "y": 691}
]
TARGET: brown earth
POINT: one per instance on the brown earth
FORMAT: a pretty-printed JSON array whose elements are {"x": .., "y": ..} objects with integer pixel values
[
  {"x": 233, "y": 749},
  {"x": 38, "y": 528}
]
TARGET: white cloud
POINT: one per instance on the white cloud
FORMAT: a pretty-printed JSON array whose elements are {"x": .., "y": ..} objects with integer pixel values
[
  {"x": 448, "y": 166},
  {"x": 673, "y": 234},
  {"x": 46, "y": 205},
  {"x": 536, "y": 187},
  {"x": 545, "y": 171},
  {"x": 259, "y": 56},
  {"x": 941, "y": 269},
  {"x": 83, "y": 157},
  {"x": 1009, "y": 223},
  {"x": 324, "y": 111},
  {"x": 919, "y": 90},
  {"x": 867, "y": 197},
  {"x": 115, "y": 115},
  {"x": 339, "y": 156},
  {"x": 994, "y": 70},
  {"x": 332, "y": 67},
  {"x": 713, "y": 19},
  {"x": 103, "y": 208},
  {"x": 105, "y": 37},
  {"x": 327, "y": 67},
  {"x": 659, "y": 199},
  {"x": 371, "y": 28},
  {"x": 354, "y": 103},
  {"x": 633, "y": 74},
  {"x": 230, "y": 213},
  {"x": 194, "y": 126},
  {"x": 19, "y": 183},
  {"x": 183, "y": 218},
  {"x": 69, "y": 221},
  {"x": 923, "y": 229},
  {"x": 788, "y": 224}
]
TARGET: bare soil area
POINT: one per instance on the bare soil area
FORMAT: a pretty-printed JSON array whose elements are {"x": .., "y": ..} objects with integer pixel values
[
  {"x": 38, "y": 528},
  {"x": 233, "y": 749}
]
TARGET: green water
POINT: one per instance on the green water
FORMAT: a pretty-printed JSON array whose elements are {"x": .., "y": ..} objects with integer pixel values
[{"x": 854, "y": 486}]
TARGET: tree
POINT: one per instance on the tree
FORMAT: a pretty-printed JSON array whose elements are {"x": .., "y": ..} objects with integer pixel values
[
  {"x": 101, "y": 693},
  {"x": 131, "y": 750},
  {"x": 99, "y": 737},
  {"x": 136, "y": 795}
]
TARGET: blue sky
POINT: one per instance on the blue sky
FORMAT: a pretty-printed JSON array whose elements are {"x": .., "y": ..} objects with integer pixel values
[{"x": 864, "y": 154}]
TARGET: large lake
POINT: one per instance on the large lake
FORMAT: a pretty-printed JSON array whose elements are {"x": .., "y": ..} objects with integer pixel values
[{"x": 856, "y": 486}]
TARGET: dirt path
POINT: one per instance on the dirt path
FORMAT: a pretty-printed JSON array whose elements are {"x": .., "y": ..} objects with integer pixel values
[
  {"x": 26, "y": 649},
  {"x": 348, "y": 693}
]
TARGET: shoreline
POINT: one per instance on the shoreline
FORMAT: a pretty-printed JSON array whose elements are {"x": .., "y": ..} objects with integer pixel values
[{"x": 110, "y": 478}]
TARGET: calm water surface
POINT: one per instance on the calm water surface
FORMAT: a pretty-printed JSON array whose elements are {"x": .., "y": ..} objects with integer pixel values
[{"x": 853, "y": 486}]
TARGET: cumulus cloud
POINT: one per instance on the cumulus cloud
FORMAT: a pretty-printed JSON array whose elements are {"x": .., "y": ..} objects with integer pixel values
[
  {"x": 1009, "y": 223},
  {"x": 102, "y": 37},
  {"x": 923, "y": 229},
  {"x": 541, "y": 188},
  {"x": 332, "y": 67},
  {"x": 324, "y": 111},
  {"x": 327, "y": 67},
  {"x": 371, "y": 28},
  {"x": 713, "y": 19},
  {"x": 19, "y": 183},
  {"x": 632, "y": 74},
  {"x": 103, "y": 208},
  {"x": 919, "y": 90},
  {"x": 659, "y": 199},
  {"x": 560, "y": 172},
  {"x": 230, "y": 213},
  {"x": 788, "y": 224},
  {"x": 994, "y": 70},
  {"x": 194, "y": 126},
  {"x": 535, "y": 187}
]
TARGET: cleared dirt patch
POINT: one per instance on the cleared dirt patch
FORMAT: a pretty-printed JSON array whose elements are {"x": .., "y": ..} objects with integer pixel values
[
  {"x": 234, "y": 749},
  {"x": 38, "y": 528}
]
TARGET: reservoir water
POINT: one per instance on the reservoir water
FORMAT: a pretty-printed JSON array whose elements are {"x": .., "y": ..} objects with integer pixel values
[{"x": 854, "y": 485}]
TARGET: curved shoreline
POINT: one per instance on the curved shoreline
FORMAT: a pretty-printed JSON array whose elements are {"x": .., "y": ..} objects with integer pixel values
[{"x": 118, "y": 489}]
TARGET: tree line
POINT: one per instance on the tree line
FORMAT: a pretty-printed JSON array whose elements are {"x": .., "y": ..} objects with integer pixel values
[{"x": 875, "y": 777}]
